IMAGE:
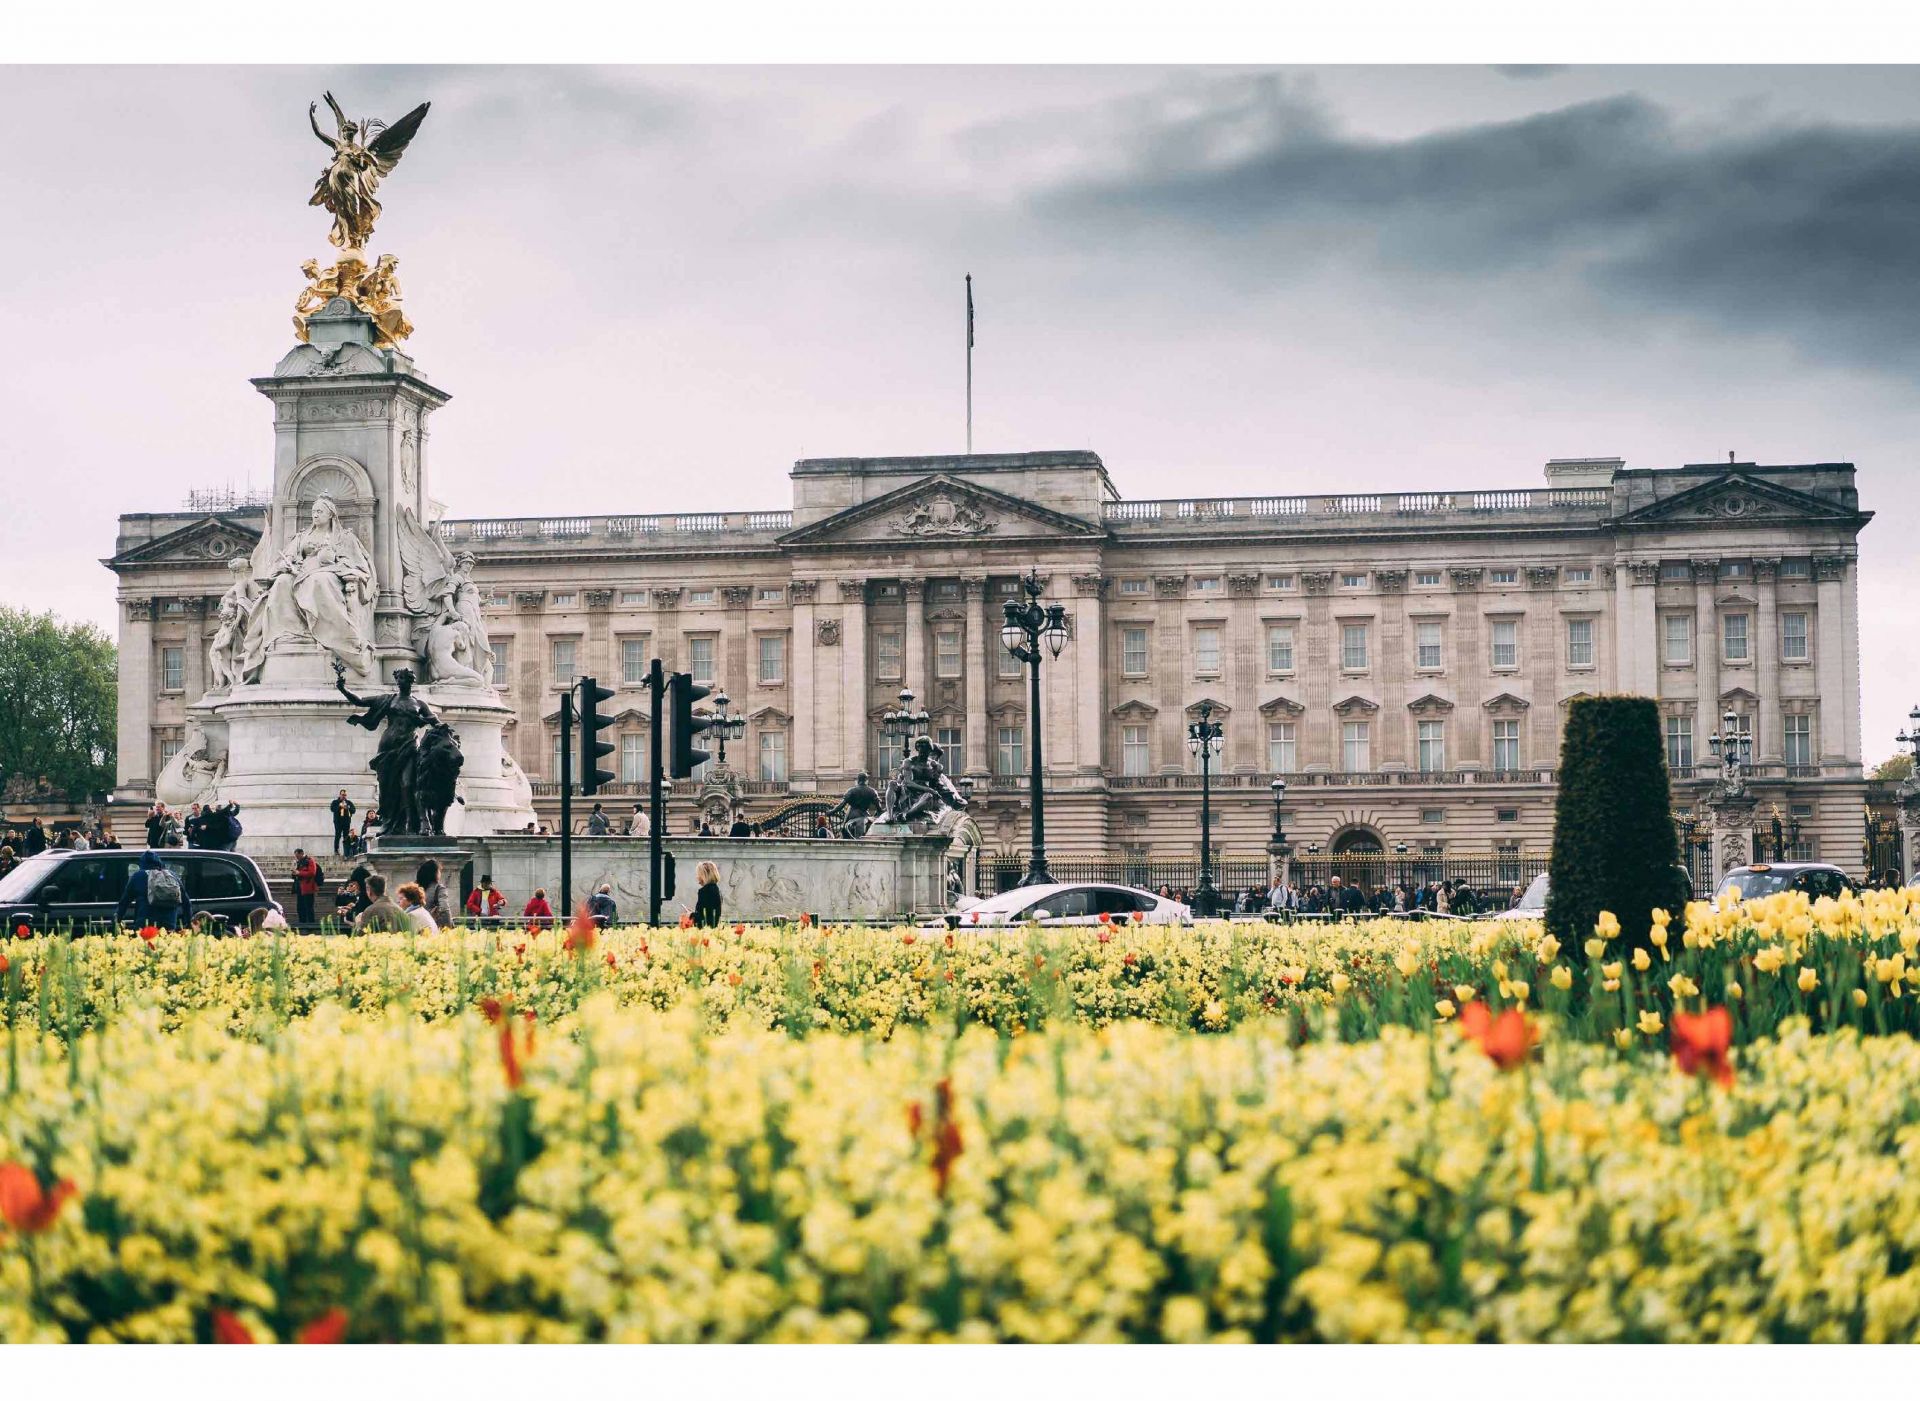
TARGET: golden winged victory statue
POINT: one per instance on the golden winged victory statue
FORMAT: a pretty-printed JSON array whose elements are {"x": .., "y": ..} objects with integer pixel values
[{"x": 364, "y": 153}]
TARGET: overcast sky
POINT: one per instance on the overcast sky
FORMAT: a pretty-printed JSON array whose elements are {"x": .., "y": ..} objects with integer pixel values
[{"x": 653, "y": 289}]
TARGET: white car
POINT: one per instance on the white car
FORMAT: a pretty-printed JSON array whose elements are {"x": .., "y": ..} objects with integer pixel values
[
  {"x": 1066, "y": 904},
  {"x": 1533, "y": 901}
]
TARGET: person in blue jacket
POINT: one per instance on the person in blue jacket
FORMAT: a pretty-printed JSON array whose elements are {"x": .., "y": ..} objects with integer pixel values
[{"x": 161, "y": 902}]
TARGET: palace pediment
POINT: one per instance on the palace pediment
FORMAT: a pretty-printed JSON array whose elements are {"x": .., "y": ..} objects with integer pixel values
[
  {"x": 209, "y": 540},
  {"x": 939, "y": 510},
  {"x": 1735, "y": 499}
]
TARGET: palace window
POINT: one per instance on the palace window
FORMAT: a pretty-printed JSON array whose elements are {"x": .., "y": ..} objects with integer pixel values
[
  {"x": 1353, "y": 646},
  {"x": 1206, "y": 651},
  {"x": 1733, "y": 637},
  {"x": 772, "y": 595},
  {"x": 946, "y": 652},
  {"x": 502, "y": 660},
  {"x": 1433, "y": 816},
  {"x": 1793, "y": 637},
  {"x": 1210, "y": 584},
  {"x": 1503, "y": 576},
  {"x": 1008, "y": 665},
  {"x": 1133, "y": 586},
  {"x": 1433, "y": 746},
  {"x": 1734, "y": 569},
  {"x": 1280, "y": 746},
  {"x": 1427, "y": 646},
  {"x": 1507, "y": 862},
  {"x": 633, "y": 661},
  {"x": 886, "y": 653},
  {"x": 947, "y": 588},
  {"x": 1506, "y": 745},
  {"x": 1353, "y": 581},
  {"x": 773, "y": 659},
  {"x": 1679, "y": 742},
  {"x": 1579, "y": 642},
  {"x": 1578, "y": 574},
  {"x": 566, "y": 600},
  {"x": 1675, "y": 571},
  {"x": 1009, "y": 750},
  {"x": 1506, "y": 645},
  {"x": 633, "y": 758},
  {"x": 773, "y": 756},
  {"x": 563, "y": 663},
  {"x": 1676, "y": 639},
  {"x": 1133, "y": 651},
  {"x": 699, "y": 595},
  {"x": 633, "y": 595},
  {"x": 887, "y": 755},
  {"x": 700, "y": 659},
  {"x": 173, "y": 668},
  {"x": 1796, "y": 569},
  {"x": 953, "y": 749},
  {"x": 1135, "y": 753},
  {"x": 1426, "y": 578},
  {"x": 1280, "y": 647},
  {"x": 1356, "y": 746},
  {"x": 1799, "y": 739},
  {"x": 1279, "y": 583}
]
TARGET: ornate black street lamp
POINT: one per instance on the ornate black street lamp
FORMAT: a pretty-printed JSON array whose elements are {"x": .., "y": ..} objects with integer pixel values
[
  {"x": 1279, "y": 789},
  {"x": 1206, "y": 738},
  {"x": 1733, "y": 746},
  {"x": 1400, "y": 852},
  {"x": 1911, "y": 736},
  {"x": 724, "y": 726},
  {"x": 903, "y": 722},
  {"x": 1028, "y": 624}
]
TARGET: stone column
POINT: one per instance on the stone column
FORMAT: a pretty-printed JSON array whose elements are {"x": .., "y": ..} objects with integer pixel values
[
  {"x": 1706, "y": 643},
  {"x": 597, "y": 657},
  {"x": 738, "y": 670},
  {"x": 530, "y": 747},
  {"x": 1769, "y": 739},
  {"x": 807, "y": 697},
  {"x": 914, "y": 653},
  {"x": 1830, "y": 622},
  {"x": 1246, "y": 660},
  {"x": 1089, "y": 671},
  {"x": 1468, "y": 668},
  {"x": 194, "y": 651},
  {"x": 983, "y": 635},
  {"x": 1317, "y": 742},
  {"x": 1636, "y": 596},
  {"x": 133, "y": 755},
  {"x": 1835, "y": 574},
  {"x": 1540, "y": 669},
  {"x": 1168, "y": 662},
  {"x": 1392, "y": 665},
  {"x": 853, "y": 676}
]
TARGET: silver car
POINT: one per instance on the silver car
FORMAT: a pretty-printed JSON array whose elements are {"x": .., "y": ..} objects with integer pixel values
[{"x": 1072, "y": 903}]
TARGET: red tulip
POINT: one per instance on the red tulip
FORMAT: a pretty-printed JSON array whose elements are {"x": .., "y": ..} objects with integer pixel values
[
  {"x": 741, "y": 930},
  {"x": 946, "y": 1135},
  {"x": 909, "y": 939},
  {"x": 228, "y": 1329},
  {"x": 24, "y": 1204},
  {"x": 4, "y": 965},
  {"x": 686, "y": 921},
  {"x": 1139, "y": 918},
  {"x": 1507, "y": 1039},
  {"x": 1701, "y": 1043},
  {"x": 1105, "y": 936},
  {"x": 581, "y": 933},
  {"x": 23, "y": 931},
  {"x": 330, "y": 1327},
  {"x": 149, "y": 933},
  {"x": 1105, "y": 918}
]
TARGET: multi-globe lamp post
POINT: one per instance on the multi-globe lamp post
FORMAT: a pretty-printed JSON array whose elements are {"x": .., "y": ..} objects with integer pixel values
[
  {"x": 1030, "y": 629},
  {"x": 1911, "y": 737},
  {"x": 1732, "y": 746},
  {"x": 1206, "y": 738},
  {"x": 724, "y": 726}
]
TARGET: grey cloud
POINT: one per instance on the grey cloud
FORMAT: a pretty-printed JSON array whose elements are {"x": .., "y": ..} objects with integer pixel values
[
  {"x": 1529, "y": 70},
  {"x": 1811, "y": 230}
]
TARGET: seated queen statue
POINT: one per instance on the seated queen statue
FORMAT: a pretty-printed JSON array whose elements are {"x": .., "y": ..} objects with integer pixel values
[{"x": 321, "y": 587}]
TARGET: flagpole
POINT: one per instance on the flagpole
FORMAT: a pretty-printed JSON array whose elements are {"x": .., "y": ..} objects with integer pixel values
[{"x": 969, "y": 364}]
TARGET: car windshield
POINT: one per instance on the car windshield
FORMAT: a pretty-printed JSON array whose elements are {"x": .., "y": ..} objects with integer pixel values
[
  {"x": 1006, "y": 902},
  {"x": 1751, "y": 885},
  {"x": 20, "y": 882},
  {"x": 1535, "y": 897}
]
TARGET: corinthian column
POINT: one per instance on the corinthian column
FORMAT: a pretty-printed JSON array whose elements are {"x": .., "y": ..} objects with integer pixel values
[
  {"x": 1089, "y": 671},
  {"x": 915, "y": 592},
  {"x": 134, "y": 748},
  {"x": 982, "y": 636},
  {"x": 853, "y": 676}
]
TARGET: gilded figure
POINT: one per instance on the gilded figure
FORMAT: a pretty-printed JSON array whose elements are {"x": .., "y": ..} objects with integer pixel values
[{"x": 364, "y": 153}]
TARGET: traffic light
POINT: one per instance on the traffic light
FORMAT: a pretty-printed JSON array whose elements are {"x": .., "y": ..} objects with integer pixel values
[
  {"x": 686, "y": 724},
  {"x": 592, "y": 748}
]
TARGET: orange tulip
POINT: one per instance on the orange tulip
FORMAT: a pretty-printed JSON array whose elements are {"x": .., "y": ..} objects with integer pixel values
[
  {"x": 1701, "y": 1043},
  {"x": 330, "y": 1327},
  {"x": 1507, "y": 1039},
  {"x": 686, "y": 921},
  {"x": 24, "y": 1204},
  {"x": 581, "y": 933},
  {"x": 228, "y": 1329}
]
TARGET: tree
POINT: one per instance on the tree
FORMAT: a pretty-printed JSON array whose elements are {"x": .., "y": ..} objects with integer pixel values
[
  {"x": 1893, "y": 770},
  {"x": 58, "y": 697},
  {"x": 1614, "y": 846}
]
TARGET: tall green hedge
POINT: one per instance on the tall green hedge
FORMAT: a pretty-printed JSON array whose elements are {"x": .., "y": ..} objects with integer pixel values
[{"x": 1614, "y": 846}]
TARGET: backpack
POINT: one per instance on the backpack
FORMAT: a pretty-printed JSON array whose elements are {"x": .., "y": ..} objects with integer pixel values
[{"x": 163, "y": 890}]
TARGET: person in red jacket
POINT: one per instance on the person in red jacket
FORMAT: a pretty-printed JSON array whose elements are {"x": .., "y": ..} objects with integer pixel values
[
  {"x": 306, "y": 885},
  {"x": 485, "y": 900},
  {"x": 537, "y": 910}
]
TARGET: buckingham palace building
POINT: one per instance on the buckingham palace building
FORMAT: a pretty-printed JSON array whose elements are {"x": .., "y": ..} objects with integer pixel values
[{"x": 1403, "y": 659}]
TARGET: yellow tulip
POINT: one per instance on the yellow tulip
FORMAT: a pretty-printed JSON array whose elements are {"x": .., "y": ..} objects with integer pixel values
[
  {"x": 1612, "y": 970},
  {"x": 1463, "y": 991},
  {"x": 1734, "y": 992},
  {"x": 1607, "y": 927},
  {"x": 1445, "y": 1008},
  {"x": 1809, "y": 980},
  {"x": 1859, "y": 997},
  {"x": 1658, "y": 934},
  {"x": 1563, "y": 977},
  {"x": 1650, "y": 1023},
  {"x": 1769, "y": 959},
  {"x": 1340, "y": 982},
  {"x": 1680, "y": 985},
  {"x": 1596, "y": 947},
  {"x": 1623, "y": 1039},
  {"x": 1641, "y": 963},
  {"x": 1611, "y": 985},
  {"x": 1547, "y": 950},
  {"x": 1407, "y": 962}
]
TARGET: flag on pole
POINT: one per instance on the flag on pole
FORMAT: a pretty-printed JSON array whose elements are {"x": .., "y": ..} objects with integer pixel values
[{"x": 969, "y": 311}]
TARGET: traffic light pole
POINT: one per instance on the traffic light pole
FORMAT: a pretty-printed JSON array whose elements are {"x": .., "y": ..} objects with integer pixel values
[
  {"x": 656, "y": 804},
  {"x": 566, "y": 806}
]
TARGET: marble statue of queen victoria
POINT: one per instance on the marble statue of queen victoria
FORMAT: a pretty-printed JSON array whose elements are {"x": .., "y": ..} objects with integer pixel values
[{"x": 321, "y": 587}]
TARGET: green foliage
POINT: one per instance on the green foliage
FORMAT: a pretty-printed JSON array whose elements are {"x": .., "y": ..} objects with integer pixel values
[
  {"x": 1893, "y": 770},
  {"x": 1614, "y": 846},
  {"x": 58, "y": 689}
]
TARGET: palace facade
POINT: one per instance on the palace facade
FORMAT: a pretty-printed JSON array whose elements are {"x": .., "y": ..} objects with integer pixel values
[{"x": 1403, "y": 659}]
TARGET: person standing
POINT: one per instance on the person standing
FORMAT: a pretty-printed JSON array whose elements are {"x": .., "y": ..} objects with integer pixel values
[
  {"x": 741, "y": 827},
  {"x": 707, "y": 904},
  {"x": 156, "y": 823},
  {"x": 342, "y": 809},
  {"x": 36, "y": 838},
  {"x": 154, "y": 895},
  {"x": 306, "y": 885},
  {"x": 433, "y": 893}
]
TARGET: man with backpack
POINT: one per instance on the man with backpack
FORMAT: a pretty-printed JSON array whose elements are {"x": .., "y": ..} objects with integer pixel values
[
  {"x": 154, "y": 895},
  {"x": 306, "y": 884}
]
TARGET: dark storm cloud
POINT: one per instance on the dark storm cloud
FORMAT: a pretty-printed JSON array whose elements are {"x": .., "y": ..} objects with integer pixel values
[{"x": 1811, "y": 230}]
